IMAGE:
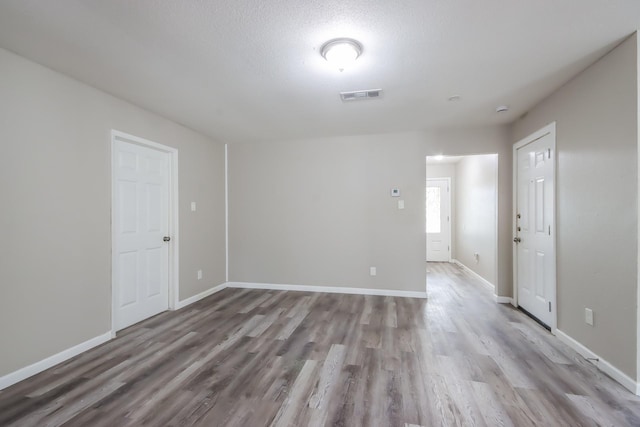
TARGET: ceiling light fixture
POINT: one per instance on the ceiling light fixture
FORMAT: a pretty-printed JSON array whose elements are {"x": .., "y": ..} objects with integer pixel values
[{"x": 341, "y": 53}]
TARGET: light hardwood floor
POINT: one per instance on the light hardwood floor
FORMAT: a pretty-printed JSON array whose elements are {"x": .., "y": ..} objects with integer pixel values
[{"x": 259, "y": 358}]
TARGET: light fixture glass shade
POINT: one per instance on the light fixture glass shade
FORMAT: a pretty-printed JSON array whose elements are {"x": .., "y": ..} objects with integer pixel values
[{"x": 341, "y": 53}]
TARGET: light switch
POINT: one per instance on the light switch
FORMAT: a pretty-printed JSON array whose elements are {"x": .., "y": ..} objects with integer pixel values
[
  {"x": 400, "y": 204},
  {"x": 193, "y": 206}
]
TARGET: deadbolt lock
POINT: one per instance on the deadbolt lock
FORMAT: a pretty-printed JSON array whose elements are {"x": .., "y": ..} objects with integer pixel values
[
  {"x": 517, "y": 239},
  {"x": 166, "y": 238}
]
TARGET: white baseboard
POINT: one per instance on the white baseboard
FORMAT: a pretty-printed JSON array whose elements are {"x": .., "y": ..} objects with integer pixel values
[
  {"x": 482, "y": 280},
  {"x": 499, "y": 299},
  {"x": 606, "y": 367},
  {"x": 503, "y": 300},
  {"x": 50, "y": 361},
  {"x": 327, "y": 289},
  {"x": 200, "y": 296}
]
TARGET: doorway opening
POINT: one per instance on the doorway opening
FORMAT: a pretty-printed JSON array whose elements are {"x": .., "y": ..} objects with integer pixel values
[{"x": 462, "y": 210}]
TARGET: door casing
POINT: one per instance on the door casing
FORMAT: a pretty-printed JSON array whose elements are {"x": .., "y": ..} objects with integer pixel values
[
  {"x": 550, "y": 129},
  {"x": 173, "y": 217}
]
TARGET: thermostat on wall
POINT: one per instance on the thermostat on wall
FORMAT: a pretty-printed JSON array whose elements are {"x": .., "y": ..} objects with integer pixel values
[{"x": 395, "y": 192}]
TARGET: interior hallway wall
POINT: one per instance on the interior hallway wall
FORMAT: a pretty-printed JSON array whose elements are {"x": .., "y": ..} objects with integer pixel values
[{"x": 476, "y": 214}]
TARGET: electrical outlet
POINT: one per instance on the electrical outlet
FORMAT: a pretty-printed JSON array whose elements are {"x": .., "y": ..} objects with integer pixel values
[
  {"x": 193, "y": 206},
  {"x": 199, "y": 274},
  {"x": 372, "y": 271},
  {"x": 588, "y": 316}
]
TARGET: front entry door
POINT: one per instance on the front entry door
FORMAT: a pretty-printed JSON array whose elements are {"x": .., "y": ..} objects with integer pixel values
[
  {"x": 534, "y": 226},
  {"x": 140, "y": 222},
  {"x": 438, "y": 219}
]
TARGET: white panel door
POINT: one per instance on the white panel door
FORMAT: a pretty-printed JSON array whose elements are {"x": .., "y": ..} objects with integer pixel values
[
  {"x": 141, "y": 221},
  {"x": 535, "y": 262},
  {"x": 438, "y": 217}
]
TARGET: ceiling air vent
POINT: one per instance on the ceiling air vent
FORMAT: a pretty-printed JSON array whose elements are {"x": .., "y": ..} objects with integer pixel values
[{"x": 360, "y": 94}]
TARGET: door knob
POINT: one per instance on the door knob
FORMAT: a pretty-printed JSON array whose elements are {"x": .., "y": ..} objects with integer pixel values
[
  {"x": 517, "y": 239},
  {"x": 166, "y": 238}
]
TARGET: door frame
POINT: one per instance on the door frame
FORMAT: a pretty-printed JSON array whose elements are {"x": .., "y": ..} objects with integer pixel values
[
  {"x": 448, "y": 179},
  {"x": 173, "y": 217},
  {"x": 549, "y": 129}
]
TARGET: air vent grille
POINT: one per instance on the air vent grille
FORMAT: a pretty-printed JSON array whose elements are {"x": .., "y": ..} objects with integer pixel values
[{"x": 360, "y": 94}]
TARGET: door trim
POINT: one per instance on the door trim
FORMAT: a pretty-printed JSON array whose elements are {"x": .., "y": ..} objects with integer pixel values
[
  {"x": 448, "y": 179},
  {"x": 174, "y": 266},
  {"x": 549, "y": 129}
]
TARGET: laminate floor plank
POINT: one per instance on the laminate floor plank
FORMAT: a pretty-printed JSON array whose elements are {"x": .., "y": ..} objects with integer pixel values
[{"x": 247, "y": 357}]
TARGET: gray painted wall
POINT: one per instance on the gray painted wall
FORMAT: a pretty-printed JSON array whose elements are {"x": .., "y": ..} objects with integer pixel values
[
  {"x": 55, "y": 172},
  {"x": 476, "y": 215},
  {"x": 597, "y": 199},
  {"x": 319, "y": 211}
]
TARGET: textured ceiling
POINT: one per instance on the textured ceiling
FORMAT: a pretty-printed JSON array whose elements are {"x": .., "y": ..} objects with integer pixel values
[{"x": 241, "y": 70}]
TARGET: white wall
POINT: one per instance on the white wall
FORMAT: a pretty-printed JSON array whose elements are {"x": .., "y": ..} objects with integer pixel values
[
  {"x": 55, "y": 191},
  {"x": 476, "y": 213},
  {"x": 597, "y": 202}
]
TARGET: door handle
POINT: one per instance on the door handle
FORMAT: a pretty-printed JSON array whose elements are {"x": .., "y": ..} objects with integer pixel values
[
  {"x": 517, "y": 239},
  {"x": 166, "y": 238}
]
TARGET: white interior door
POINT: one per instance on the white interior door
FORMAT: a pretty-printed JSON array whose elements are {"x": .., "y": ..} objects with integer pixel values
[
  {"x": 140, "y": 222},
  {"x": 535, "y": 257},
  {"x": 438, "y": 220}
]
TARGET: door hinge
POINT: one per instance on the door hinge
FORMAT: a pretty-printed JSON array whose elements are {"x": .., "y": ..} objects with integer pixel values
[
  {"x": 447, "y": 217},
  {"x": 549, "y": 306},
  {"x": 448, "y": 248},
  {"x": 549, "y": 152},
  {"x": 549, "y": 230}
]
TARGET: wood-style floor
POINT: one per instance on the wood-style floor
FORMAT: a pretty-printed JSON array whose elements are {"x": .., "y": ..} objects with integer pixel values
[{"x": 259, "y": 358}]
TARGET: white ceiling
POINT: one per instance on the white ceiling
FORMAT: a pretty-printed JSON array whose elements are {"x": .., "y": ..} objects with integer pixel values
[{"x": 242, "y": 70}]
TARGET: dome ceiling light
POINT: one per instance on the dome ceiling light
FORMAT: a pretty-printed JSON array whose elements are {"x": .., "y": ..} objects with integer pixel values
[{"x": 341, "y": 53}]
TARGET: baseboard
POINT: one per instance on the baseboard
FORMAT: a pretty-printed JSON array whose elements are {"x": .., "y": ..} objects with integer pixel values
[
  {"x": 200, "y": 296},
  {"x": 606, "y": 367},
  {"x": 503, "y": 300},
  {"x": 482, "y": 280},
  {"x": 36, "y": 368},
  {"x": 327, "y": 289}
]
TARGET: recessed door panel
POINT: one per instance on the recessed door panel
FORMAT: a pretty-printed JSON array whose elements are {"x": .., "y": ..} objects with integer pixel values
[{"x": 128, "y": 276}]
